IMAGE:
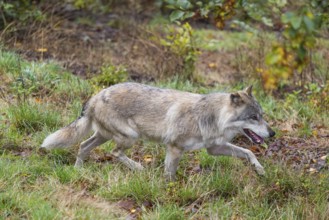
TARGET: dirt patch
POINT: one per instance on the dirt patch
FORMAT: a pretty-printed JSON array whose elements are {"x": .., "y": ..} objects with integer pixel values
[
  {"x": 82, "y": 42},
  {"x": 308, "y": 155},
  {"x": 217, "y": 66},
  {"x": 79, "y": 47},
  {"x": 68, "y": 198},
  {"x": 300, "y": 153}
]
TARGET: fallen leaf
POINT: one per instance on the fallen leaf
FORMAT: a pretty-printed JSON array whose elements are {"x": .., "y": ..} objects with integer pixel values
[
  {"x": 42, "y": 50},
  {"x": 147, "y": 204},
  {"x": 38, "y": 100},
  {"x": 148, "y": 158},
  {"x": 264, "y": 145},
  {"x": 127, "y": 204},
  {"x": 212, "y": 65},
  {"x": 254, "y": 148},
  {"x": 312, "y": 170}
]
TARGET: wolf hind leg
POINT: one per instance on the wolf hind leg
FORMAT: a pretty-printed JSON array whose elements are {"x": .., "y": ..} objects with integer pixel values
[
  {"x": 235, "y": 151},
  {"x": 85, "y": 147}
]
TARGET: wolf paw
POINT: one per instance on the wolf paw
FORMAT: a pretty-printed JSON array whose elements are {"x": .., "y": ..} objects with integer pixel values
[
  {"x": 78, "y": 163},
  {"x": 260, "y": 170},
  {"x": 135, "y": 166},
  {"x": 138, "y": 167},
  {"x": 170, "y": 178}
]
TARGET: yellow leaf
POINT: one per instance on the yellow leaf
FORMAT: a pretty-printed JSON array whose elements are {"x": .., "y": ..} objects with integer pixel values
[
  {"x": 148, "y": 158},
  {"x": 310, "y": 15},
  {"x": 219, "y": 24},
  {"x": 42, "y": 50},
  {"x": 212, "y": 65}
]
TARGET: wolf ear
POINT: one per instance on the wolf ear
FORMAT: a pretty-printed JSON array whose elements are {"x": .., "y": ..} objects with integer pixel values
[
  {"x": 248, "y": 90},
  {"x": 236, "y": 99}
]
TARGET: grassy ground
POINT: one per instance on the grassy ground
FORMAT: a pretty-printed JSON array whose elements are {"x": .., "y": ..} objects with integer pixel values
[{"x": 39, "y": 97}]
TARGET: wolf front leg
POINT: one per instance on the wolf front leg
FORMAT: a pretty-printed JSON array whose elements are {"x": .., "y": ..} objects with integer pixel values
[
  {"x": 235, "y": 151},
  {"x": 173, "y": 156},
  {"x": 118, "y": 152}
]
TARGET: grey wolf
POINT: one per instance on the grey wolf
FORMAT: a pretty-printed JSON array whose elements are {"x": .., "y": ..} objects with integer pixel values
[{"x": 183, "y": 121}]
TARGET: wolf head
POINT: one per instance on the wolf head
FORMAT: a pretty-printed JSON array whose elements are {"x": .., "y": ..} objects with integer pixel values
[{"x": 248, "y": 117}]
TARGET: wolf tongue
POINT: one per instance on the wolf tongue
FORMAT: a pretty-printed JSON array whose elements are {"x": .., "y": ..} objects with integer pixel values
[{"x": 254, "y": 136}]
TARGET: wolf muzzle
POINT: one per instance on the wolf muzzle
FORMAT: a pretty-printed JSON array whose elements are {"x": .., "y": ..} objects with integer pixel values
[{"x": 270, "y": 131}]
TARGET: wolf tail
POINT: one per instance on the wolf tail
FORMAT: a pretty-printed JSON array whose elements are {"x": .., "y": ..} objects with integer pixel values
[{"x": 69, "y": 135}]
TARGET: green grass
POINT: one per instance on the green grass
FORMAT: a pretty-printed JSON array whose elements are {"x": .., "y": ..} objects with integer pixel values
[
  {"x": 30, "y": 79},
  {"x": 137, "y": 185},
  {"x": 30, "y": 118},
  {"x": 228, "y": 188},
  {"x": 166, "y": 212},
  {"x": 44, "y": 185}
]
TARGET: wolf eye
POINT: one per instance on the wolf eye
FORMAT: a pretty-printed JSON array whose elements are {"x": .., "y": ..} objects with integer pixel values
[{"x": 254, "y": 117}]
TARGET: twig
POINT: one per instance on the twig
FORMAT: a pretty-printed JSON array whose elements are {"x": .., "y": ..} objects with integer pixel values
[{"x": 6, "y": 28}]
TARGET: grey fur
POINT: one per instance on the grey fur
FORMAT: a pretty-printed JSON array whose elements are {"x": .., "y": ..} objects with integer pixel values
[{"x": 184, "y": 121}]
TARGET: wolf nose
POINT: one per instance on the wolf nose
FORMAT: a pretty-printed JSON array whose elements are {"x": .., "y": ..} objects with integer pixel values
[{"x": 272, "y": 133}]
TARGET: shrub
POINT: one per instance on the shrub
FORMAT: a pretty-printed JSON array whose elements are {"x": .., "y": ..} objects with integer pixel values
[
  {"x": 20, "y": 11},
  {"x": 181, "y": 42},
  {"x": 110, "y": 75}
]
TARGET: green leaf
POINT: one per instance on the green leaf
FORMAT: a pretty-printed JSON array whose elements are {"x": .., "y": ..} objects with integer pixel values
[
  {"x": 296, "y": 21},
  {"x": 309, "y": 24},
  {"x": 175, "y": 15},
  {"x": 286, "y": 17},
  {"x": 272, "y": 58},
  {"x": 171, "y": 6},
  {"x": 301, "y": 52},
  {"x": 204, "y": 12},
  {"x": 281, "y": 3},
  {"x": 199, "y": 3},
  {"x": 189, "y": 14},
  {"x": 267, "y": 21},
  {"x": 184, "y": 4},
  {"x": 170, "y": 2},
  {"x": 264, "y": 145},
  {"x": 7, "y": 6}
]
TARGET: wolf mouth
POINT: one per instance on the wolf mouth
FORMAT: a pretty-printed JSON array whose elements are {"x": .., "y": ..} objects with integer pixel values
[{"x": 253, "y": 136}]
